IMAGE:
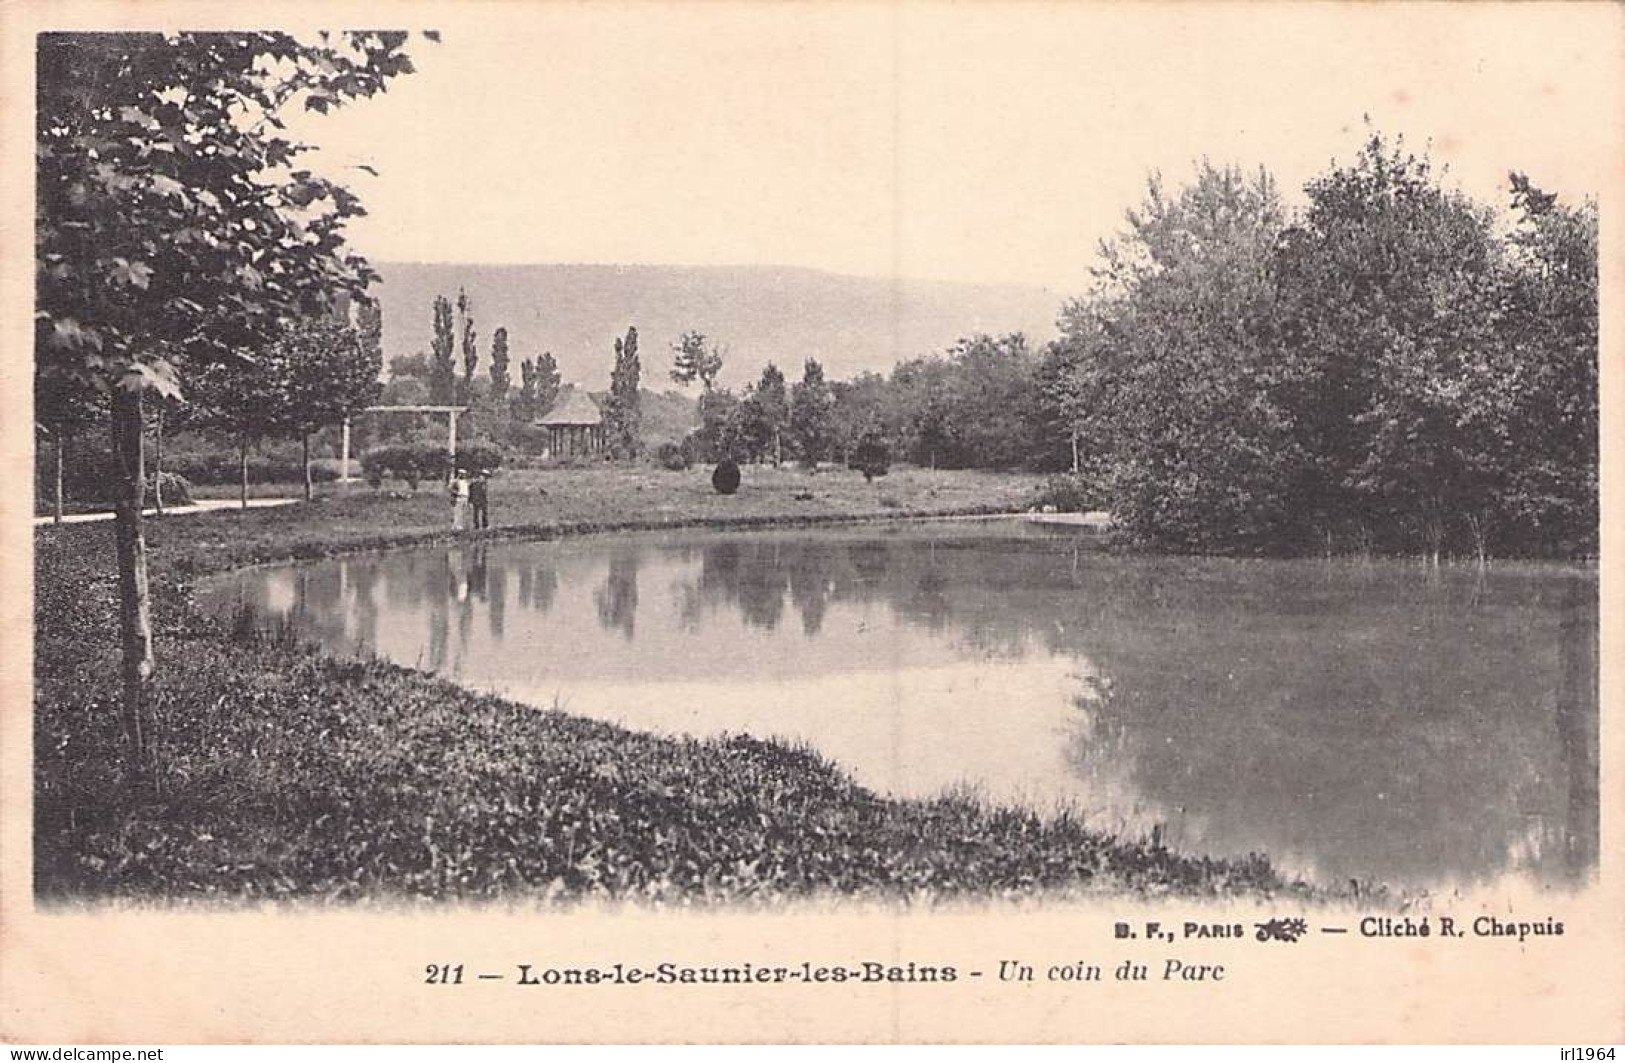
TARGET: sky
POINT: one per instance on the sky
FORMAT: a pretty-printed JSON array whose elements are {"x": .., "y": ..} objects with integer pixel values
[{"x": 994, "y": 142}]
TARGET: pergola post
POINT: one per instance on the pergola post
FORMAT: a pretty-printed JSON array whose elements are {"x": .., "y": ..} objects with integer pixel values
[{"x": 451, "y": 444}]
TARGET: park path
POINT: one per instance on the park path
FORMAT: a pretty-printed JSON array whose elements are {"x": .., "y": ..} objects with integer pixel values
[{"x": 201, "y": 506}]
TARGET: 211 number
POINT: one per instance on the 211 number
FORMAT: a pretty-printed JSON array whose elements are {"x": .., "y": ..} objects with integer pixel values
[{"x": 443, "y": 974}]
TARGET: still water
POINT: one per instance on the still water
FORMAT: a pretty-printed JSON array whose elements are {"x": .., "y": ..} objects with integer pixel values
[{"x": 1371, "y": 721}]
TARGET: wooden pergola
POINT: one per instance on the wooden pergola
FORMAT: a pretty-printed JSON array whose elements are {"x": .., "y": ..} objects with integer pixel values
[{"x": 451, "y": 413}]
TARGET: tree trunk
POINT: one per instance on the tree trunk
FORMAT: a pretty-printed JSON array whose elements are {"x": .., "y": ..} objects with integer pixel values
[
  {"x": 1074, "y": 452},
  {"x": 304, "y": 441},
  {"x": 56, "y": 510},
  {"x": 158, "y": 462},
  {"x": 135, "y": 618},
  {"x": 242, "y": 467}
]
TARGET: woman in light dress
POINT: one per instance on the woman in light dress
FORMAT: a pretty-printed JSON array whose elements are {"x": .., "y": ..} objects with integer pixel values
[{"x": 458, "y": 489}]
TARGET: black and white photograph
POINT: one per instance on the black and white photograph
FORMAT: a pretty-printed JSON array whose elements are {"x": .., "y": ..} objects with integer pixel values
[{"x": 665, "y": 462}]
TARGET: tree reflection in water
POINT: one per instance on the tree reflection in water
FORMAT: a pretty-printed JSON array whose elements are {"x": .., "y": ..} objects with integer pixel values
[{"x": 1369, "y": 721}]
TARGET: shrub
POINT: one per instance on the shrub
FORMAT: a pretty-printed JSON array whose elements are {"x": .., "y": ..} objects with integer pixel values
[
  {"x": 417, "y": 462},
  {"x": 671, "y": 456},
  {"x": 726, "y": 477},
  {"x": 1068, "y": 493},
  {"x": 478, "y": 456},
  {"x": 222, "y": 467},
  {"x": 871, "y": 456},
  {"x": 177, "y": 491}
]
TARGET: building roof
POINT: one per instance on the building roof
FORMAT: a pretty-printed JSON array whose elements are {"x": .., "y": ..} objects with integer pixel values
[{"x": 575, "y": 407}]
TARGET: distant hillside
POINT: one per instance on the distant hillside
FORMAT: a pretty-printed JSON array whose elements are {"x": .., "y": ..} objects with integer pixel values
[{"x": 761, "y": 313}]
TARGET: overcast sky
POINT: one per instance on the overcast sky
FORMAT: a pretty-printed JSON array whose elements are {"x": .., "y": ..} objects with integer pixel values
[{"x": 992, "y": 143}]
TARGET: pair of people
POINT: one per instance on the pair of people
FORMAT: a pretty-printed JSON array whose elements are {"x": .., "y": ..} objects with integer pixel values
[{"x": 472, "y": 492}]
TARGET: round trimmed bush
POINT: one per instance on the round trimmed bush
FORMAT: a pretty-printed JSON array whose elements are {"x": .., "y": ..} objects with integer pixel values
[
  {"x": 671, "y": 456},
  {"x": 726, "y": 477}
]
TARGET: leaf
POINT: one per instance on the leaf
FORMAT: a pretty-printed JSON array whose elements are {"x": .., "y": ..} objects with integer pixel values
[
  {"x": 136, "y": 274},
  {"x": 166, "y": 186}
]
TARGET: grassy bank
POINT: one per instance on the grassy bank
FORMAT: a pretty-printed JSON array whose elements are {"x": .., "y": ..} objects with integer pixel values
[{"x": 287, "y": 773}]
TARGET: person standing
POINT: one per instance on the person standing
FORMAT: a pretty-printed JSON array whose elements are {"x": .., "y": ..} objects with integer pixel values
[
  {"x": 458, "y": 489},
  {"x": 479, "y": 497}
]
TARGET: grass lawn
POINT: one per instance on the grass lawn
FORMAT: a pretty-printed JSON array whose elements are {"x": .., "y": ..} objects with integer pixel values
[{"x": 285, "y": 773}]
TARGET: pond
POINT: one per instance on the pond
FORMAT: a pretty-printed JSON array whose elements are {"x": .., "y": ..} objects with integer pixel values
[{"x": 1370, "y": 721}]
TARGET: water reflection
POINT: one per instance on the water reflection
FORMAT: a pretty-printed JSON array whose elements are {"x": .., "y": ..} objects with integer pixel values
[{"x": 1353, "y": 721}]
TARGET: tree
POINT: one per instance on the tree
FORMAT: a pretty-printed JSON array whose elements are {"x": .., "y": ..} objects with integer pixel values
[
  {"x": 442, "y": 364},
  {"x": 171, "y": 226},
  {"x": 871, "y": 456},
  {"x": 471, "y": 352},
  {"x": 332, "y": 371},
  {"x": 64, "y": 409},
  {"x": 773, "y": 401},
  {"x": 1174, "y": 352},
  {"x": 696, "y": 361},
  {"x": 860, "y": 407},
  {"x": 548, "y": 383},
  {"x": 499, "y": 366},
  {"x": 1387, "y": 311},
  {"x": 1549, "y": 306},
  {"x": 409, "y": 365},
  {"x": 539, "y": 387},
  {"x": 621, "y": 414},
  {"x": 246, "y": 401},
  {"x": 718, "y": 434},
  {"x": 1069, "y": 393},
  {"x": 811, "y": 415}
]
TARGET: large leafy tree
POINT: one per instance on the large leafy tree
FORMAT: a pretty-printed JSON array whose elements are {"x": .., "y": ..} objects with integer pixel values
[
  {"x": 332, "y": 374},
  {"x": 763, "y": 414},
  {"x": 812, "y": 415},
  {"x": 1550, "y": 305},
  {"x": 1173, "y": 347},
  {"x": 1389, "y": 312},
  {"x": 247, "y": 401},
  {"x": 174, "y": 227}
]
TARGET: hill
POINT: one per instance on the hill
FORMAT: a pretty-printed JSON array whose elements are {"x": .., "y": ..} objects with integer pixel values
[{"x": 761, "y": 313}]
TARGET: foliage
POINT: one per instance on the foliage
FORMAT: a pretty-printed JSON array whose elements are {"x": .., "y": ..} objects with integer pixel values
[
  {"x": 414, "y": 463},
  {"x": 762, "y": 416},
  {"x": 442, "y": 362},
  {"x": 499, "y": 366},
  {"x": 332, "y": 370},
  {"x": 725, "y": 477},
  {"x": 672, "y": 456},
  {"x": 812, "y": 422},
  {"x": 1068, "y": 493},
  {"x": 478, "y": 457},
  {"x": 871, "y": 456},
  {"x": 177, "y": 490},
  {"x": 539, "y": 387},
  {"x": 471, "y": 351},
  {"x": 172, "y": 225},
  {"x": 1391, "y": 369},
  {"x": 718, "y": 434},
  {"x": 622, "y": 422},
  {"x": 695, "y": 360},
  {"x": 221, "y": 468}
]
